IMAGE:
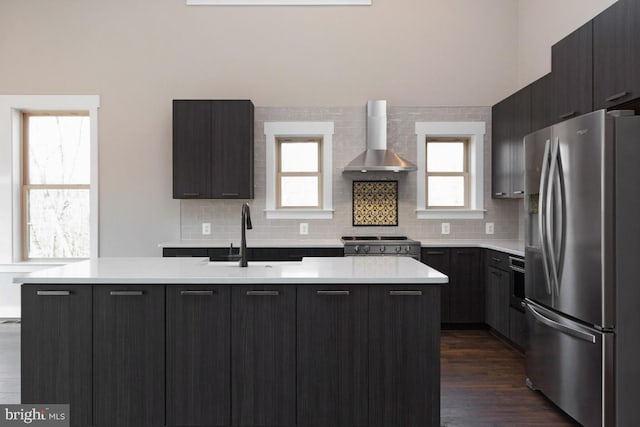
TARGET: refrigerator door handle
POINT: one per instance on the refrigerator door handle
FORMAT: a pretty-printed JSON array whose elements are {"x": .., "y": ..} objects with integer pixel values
[
  {"x": 542, "y": 213},
  {"x": 551, "y": 200},
  {"x": 576, "y": 333}
]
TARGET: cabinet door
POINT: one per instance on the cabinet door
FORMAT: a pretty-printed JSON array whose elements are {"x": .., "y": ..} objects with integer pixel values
[
  {"x": 332, "y": 383},
  {"x": 191, "y": 149},
  {"x": 467, "y": 286},
  {"x": 263, "y": 378},
  {"x": 128, "y": 345},
  {"x": 56, "y": 348},
  {"x": 572, "y": 76},
  {"x": 232, "y": 157},
  {"x": 497, "y": 300},
  {"x": 404, "y": 368},
  {"x": 616, "y": 54},
  {"x": 518, "y": 328},
  {"x": 522, "y": 127},
  {"x": 501, "y": 129},
  {"x": 198, "y": 347},
  {"x": 438, "y": 258},
  {"x": 541, "y": 102}
]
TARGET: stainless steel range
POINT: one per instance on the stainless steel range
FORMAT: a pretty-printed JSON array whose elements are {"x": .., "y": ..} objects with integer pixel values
[{"x": 381, "y": 245}]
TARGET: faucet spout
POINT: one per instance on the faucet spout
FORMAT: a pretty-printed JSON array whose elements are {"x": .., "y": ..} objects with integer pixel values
[{"x": 246, "y": 225}]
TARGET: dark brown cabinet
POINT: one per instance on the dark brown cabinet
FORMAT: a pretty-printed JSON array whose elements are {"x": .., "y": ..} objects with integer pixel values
[
  {"x": 332, "y": 383},
  {"x": 616, "y": 54},
  {"x": 517, "y": 328},
  {"x": 462, "y": 299},
  {"x": 497, "y": 300},
  {"x": 213, "y": 149},
  {"x": 128, "y": 356},
  {"x": 198, "y": 355},
  {"x": 263, "y": 351},
  {"x": 572, "y": 77},
  {"x": 542, "y": 108},
  {"x": 403, "y": 359},
  {"x": 511, "y": 121},
  {"x": 56, "y": 348}
]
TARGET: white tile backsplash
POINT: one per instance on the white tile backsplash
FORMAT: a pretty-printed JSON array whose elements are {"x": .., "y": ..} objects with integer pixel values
[{"x": 348, "y": 142}]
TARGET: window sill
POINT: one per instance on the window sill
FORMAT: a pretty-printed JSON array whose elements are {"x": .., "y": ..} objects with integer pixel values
[
  {"x": 299, "y": 213},
  {"x": 450, "y": 213}
]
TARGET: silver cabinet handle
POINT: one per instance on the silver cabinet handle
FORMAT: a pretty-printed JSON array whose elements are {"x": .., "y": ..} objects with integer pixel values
[
  {"x": 435, "y": 253},
  {"x": 333, "y": 292},
  {"x": 518, "y": 192},
  {"x": 53, "y": 293},
  {"x": 617, "y": 96},
  {"x": 196, "y": 293},
  {"x": 264, "y": 293},
  {"x": 494, "y": 259},
  {"x": 191, "y": 194},
  {"x": 500, "y": 194},
  {"x": 125, "y": 293},
  {"x": 230, "y": 194},
  {"x": 405, "y": 293},
  {"x": 567, "y": 115}
]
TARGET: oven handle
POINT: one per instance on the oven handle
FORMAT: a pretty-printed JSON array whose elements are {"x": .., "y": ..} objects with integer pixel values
[{"x": 513, "y": 266}]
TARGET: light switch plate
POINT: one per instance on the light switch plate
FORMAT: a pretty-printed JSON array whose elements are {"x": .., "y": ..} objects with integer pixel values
[
  {"x": 446, "y": 228},
  {"x": 206, "y": 228},
  {"x": 304, "y": 228},
  {"x": 488, "y": 228}
]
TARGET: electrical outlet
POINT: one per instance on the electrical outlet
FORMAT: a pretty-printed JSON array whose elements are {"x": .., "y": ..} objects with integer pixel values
[
  {"x": 304, "y": 228},
  {"x": 446, "y": 228},
  {"x": 206, "y": 228},
  {"x": 488, "y": 228}
]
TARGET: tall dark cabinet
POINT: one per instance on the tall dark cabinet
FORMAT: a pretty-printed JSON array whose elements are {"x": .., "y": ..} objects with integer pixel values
[
  {"x": 572, "y": 76},
  {"x": 263, "y": 352},
  {"x": 198, "y": 355},
  {"x": 511, "y": 121},
  {"x": 213, "y": 149},
  {"x": 128, "y": 356},
  {"x": 616, "y": 54},
  {"x": 333, "y": 332},
  {"x": 56, "y": 353}
]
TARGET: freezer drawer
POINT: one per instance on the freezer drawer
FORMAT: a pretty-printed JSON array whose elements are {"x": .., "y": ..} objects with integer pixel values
[{"x": 572, "y": 365}]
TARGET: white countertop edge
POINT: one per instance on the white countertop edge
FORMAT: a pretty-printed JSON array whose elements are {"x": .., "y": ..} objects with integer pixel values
[
  {"x": 512, "y": 247},
  {"x": 230, "y": 281}
]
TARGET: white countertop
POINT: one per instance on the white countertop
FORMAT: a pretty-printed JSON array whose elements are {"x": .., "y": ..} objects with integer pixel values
[
  {"x": 513, "y": 247},
  {"x": 348, "y": 270}
]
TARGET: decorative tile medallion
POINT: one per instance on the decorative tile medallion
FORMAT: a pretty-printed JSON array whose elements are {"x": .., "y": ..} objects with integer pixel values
[{"x": 375, "y": 203}]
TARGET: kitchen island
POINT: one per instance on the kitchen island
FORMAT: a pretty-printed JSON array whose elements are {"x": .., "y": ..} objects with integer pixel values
[{"x": 184, "y": 342}]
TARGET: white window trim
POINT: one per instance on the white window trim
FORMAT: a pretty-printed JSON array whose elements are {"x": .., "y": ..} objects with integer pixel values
[
  {"x": 272, "y": 131},
  {"x": 11, "y": 107},
  {"x": 278, "y": 2},
  {"x": 475, "y": 131}
]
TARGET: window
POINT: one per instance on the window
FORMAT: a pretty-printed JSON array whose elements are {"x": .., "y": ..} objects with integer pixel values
[
  {"x": 55, "y": 185},
  {"x": 52, "y": 177},
  {"x": 447, "y": 173},
  {"x": 298, "y": 170},
  {"x": 299, "y": 176},
  {"x": 450, "y": 173}
]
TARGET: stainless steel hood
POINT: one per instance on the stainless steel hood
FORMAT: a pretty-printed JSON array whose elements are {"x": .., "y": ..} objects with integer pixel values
[{"x": 377, "y": 158}]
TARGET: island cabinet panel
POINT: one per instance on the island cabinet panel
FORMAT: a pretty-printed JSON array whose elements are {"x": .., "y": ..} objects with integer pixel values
[
  {"x": 404, "y": 364},
  {"x": 56, "y": 348},
  {"x": 263, "y": 354},
  {"x": 332, "y": 383},
  {"x": 439, "y": 258},
  {"x": 128, "y": 355},
  {"x": 198, "y": 355}
]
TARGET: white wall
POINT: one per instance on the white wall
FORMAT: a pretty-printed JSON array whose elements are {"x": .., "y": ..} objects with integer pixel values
[
  {"x": 541, "y": 24},
  {"x": 139, "y": 55}
]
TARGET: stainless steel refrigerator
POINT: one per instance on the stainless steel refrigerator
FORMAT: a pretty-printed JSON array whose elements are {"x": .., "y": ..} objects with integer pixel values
[{"x": 582, "y": 281}]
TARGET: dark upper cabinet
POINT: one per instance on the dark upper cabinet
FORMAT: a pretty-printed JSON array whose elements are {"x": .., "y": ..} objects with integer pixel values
[
  {"x": 332, "y": 379},
  {"x": 263, "y": 350},
  {"x": 56, "y": 348},
  {"x": 572, "y": 76},
  {"x": 542, "y": 103},
  {"x": 128, "y": 356},
  {"x": 404, "y": 367},
  {"x": 198, "y": 355},
  {"x": 439, "y": 258},
  {"x": 511, "y": 121},
  {"x": 213, "y": 149},
  {"x": 616, "y": 54}
]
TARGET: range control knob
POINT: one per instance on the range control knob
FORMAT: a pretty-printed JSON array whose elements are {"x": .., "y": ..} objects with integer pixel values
[
  {"x": 366, "y": 249},
  {"x": 356, "y": 249},
  {"x": 407, "y": 249},
  {"x": 398, "y": 249},
  {"x": 382, "y": 249}
]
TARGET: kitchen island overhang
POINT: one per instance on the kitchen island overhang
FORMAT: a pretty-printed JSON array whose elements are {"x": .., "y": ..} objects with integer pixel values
[{"x": 169, "y": 342}]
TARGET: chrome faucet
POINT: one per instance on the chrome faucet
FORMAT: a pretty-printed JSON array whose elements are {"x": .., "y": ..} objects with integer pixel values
[{"x": 246, "y": 225}]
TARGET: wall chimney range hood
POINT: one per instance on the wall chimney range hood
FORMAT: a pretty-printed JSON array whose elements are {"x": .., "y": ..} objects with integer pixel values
[{"x": 376, "y": 157}]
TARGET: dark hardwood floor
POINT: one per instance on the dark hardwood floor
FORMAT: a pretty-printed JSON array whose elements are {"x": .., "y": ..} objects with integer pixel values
[{"x": 483, "y": 384}]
